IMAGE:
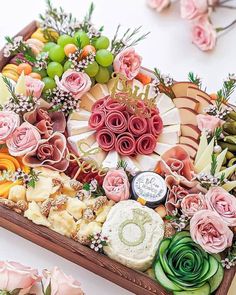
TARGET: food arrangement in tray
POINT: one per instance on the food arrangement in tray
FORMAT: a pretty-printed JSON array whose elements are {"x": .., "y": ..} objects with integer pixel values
[{"x": 120, "y": 159}]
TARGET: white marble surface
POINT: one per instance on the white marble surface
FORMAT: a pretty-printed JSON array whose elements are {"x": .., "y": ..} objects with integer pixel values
[{"x": 168, "y": 48}]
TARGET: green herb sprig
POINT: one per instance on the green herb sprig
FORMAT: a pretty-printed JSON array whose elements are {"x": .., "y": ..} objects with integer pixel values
[
  {"x": 195, "y": 79},
  {"x": 224, "y": 94}
]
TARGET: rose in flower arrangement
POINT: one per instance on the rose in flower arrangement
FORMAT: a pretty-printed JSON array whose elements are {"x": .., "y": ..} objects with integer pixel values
[
  {"x": 9, "y": 121},
  {"x": 208, "y": 123},
  {"x": 33, "y": 86},
  {"x": 198, "y": 13},
  {"x": 193, "y": 203},
  {"x": 17, "y": 279}
]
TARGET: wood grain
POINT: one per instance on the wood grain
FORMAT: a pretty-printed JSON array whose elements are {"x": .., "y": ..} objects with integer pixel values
[{"x": 99, "y": 264}]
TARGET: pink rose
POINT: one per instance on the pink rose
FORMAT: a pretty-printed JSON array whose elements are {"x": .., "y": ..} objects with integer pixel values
[
  {"x": 9, "y": 121},
  {"x": 24, "y": 139},
  {"x": 192, "y": 203},
  {"x": 158, "y": 5},
  {"x": 61, "y": 284},
  {"x": 203, "y": 34},
  {"x": 128, "y": 63},
  {"x": 14, "y": 275},
  {"x": 207, "y": 122},
  {"x": 191, "y": 9},
  {"x": 223, "y": 203},
  {"x": 116, "y": 185},
  {"x": 33, "y": 86},
  {"x": 77, "y": 83},
  {"x": 210, "y": 231}
]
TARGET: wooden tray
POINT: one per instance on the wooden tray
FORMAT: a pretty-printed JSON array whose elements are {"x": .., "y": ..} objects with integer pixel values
[{"x": 99, "y": 264}]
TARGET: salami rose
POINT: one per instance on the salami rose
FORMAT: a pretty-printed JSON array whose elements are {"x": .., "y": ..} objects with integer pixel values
[
  {"x": 116, "y": 122},
  {"x": 106, "y": 139},
  {"x": 99, "y": 104},
  {"x": 155, "y": 125},
  {"x": 97, "y": 120},
  {"x": 125, "y": 144},
  {"x": 145, "y": 144},
  {"x": 114, "y": 105},
  {"x": 137, "y": 125}
]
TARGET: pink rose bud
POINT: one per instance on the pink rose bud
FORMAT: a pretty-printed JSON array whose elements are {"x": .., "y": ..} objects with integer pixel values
[
  {"x": 192, "y": 203},
  {"x": 208, "y": 123},
  {"x": 23, "y": 140},
  {"x": 210, "y": 231},
  {"x": 191, "y": 9},
  {"x": 9, "y": 121},
  {"x": 128, "y": 63},
  {"x": 77, "y": 83},
  {"x": 203, "y": 34},
  {"x": 116, "y": 185},
  {"x": 14, "y": 275},
  {"x": 158, "y": 5},
  {"x": 223, "y": 203},
  {"x": 61, "y": 284},
  {"x": 33, "y": 86}
]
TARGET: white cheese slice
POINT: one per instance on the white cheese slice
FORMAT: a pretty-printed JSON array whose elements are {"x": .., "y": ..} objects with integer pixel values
[
  {"x": 77, "y": 127},
  {"x": 4, "y": 92},
  {"x": 161, "y": 148},
  {"x": 147, "y": 162},
  {"x": 164, "y": 103},
  {"x": 131, "y": 164},
  {"x": 205, "y": 158},
  {"x": 170, "y": 134},
  {"x": 99, "y": 91},
  {"x": 111, "y": 160},
  {"x": 220, "y": 159},
  {"x": 171, "y": 117},
  {"x": 87, "y": 101},
  {"x": 228, "y": 186},
  {"x": 202, "y": 146},
  {"x": 227, "y": 172},
  {"x": 81, "y": 115},
  {"x": 20, "y": 87},
  {"x": 87, "y": 137}
]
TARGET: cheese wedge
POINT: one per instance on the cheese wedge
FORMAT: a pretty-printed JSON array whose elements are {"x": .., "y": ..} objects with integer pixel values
[
  {"x": 75, "y": 140},
  {"x": 4, "y": 92},
  {"x": 161, "y": 148},
  {"x": 202, "y": 146},
  {"x": 228, "y": 186},
  {"x": 180, "y": 88},
  {"x": 20, "y": 87},
  {"x": 205, "y": 158},
  {"x": 170, "y": 134},
  {"x": 77, "y": 127},
  {"x": 227, "y": 172},
  {"x": 99, "y": 91},
  {"x": 147, "y": 162},
  {"x": 171, "y": 117},
  {"x": 186, "y": 102},
  {"x": 131, "y": 164},
  {"x": 164, "y": 103},
  {"x": 111, "y": 160},
  {"x": 81, "y": 115},
  {"x": 87, "y": 101},
  {"x": 220, "y": 159}
]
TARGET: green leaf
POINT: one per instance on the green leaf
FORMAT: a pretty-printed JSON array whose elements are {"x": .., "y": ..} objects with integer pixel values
[
  {"x": 170, "y": 217},
  {"x": 213, "y": 164},
  {"x": 86, "y": 186},
  {"x": 49, "y": 289},
  {"x": 16, "y": 291}
]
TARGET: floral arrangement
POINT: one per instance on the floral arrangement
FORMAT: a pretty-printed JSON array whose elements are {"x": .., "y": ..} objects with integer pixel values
[
  {"x": 18, "y": 279},
  {"x": 204, "y": 33},
  {"x": 122, "y": 160}
]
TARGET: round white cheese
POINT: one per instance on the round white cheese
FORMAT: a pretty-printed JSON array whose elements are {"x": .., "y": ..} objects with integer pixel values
[{"x": 134, "y": 233}]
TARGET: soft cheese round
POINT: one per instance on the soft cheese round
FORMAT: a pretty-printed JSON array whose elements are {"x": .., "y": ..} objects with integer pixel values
[{"x": 134, "y": 233}]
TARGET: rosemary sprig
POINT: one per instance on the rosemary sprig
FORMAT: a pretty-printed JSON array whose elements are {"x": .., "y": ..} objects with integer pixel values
[
  {"x": 213, "y": 164},
  {"x": 224, "y": 94},
  {"x": 128, "y": 39},
  {"x": 33, "y": 178},
  {"x": 10, "y": 88},
  {"x": 217, "y": 133},
  {"x": 122, "y": 164},
  {"x": 195, "y": 79},
  {"x": 164, "y": 83}
]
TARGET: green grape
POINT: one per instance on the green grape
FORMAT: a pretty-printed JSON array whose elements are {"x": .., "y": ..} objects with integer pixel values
[
  {"x": 48, "y": 46},
  {"x": 81, "y": 39},
  {"x": 42, "y": 73},
  {"x": 67, "y": 65},
  {"x": 103, "y": 75},
  {"x": 63, "y": 40},
  {"x": 49, "y": 83},
  {"x": 92, "y": 69},
  {"x": 57, "y": 53},
  {"x": 104, "y": 57},
  {"x": 54, "y": 69},
  {"x": 102, "y": 43}
]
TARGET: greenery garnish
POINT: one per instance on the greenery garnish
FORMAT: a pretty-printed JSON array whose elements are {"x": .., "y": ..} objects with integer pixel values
[
  {"x": 217, "y": 133},
  {"x": 122, "y": 164},
  {"x": 33, "y": 178},
  {"x": 86, "y": 186},
  {"x": 195, "y": 79},
  {"x": 10, "y": 88},
  {"x": 213, "y": 164},
  {"x": 224, "y": 94},
  {"x": 164, "y": 83}
]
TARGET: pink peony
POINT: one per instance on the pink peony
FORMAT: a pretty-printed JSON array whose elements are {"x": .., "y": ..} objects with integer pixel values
[
  {"x": 203, "y": 34},
  {"x": 116, "y": 185},
  {"x": 23, "y": 140},
  {"x": 61, "y": 284},
  {"x": 207, "y": 122},
  {"x": 223, "y": 203},
  {"x": 192, "y": 203},
  {"x": 128, "y": 63},
  {"x": 33, "y": 86},
  {"x": 210, "y": 231},
  {"x": 191, "y": 9},
  {"x": 158, "y": 5},
  {"x": 77, "y": 83},
  {"x": 14, "y": 275},
  {"x": 9, "y": 121}
]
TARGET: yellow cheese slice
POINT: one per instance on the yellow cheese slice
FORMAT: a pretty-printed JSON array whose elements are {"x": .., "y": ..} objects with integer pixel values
[
  {"x": 205, "y": 158},
  {"x": 202, "y": 146}
]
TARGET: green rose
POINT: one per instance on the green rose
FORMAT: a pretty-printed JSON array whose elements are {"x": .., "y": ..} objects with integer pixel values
[{"x": 185, "y": 268}]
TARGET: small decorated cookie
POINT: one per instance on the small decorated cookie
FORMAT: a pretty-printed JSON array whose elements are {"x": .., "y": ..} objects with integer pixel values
[{"x": 134, "y": 232}]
